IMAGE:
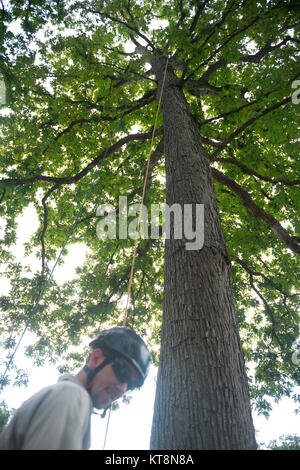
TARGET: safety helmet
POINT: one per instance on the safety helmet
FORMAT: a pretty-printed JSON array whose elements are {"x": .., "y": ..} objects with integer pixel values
[{"x": 128, "y": 344}]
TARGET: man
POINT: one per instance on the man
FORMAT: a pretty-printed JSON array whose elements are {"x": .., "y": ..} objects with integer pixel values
[{"x": 58, "y": 416}]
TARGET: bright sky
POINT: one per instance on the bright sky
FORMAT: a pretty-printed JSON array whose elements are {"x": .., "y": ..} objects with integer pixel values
[{"x": 130, "y": 425}]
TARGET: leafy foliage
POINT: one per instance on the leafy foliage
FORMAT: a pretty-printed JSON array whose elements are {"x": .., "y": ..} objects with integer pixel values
[
  {"x": 286, "y": 442},
  {"x": 5, "y": 414},
  {"x": 78, "y": 87}
]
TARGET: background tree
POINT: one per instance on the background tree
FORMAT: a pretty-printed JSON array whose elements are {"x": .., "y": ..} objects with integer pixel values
[
  {"x": 285, "y": 442},
  {"x": 5, "y": 414},
  {"x": 76, "y": 95}
]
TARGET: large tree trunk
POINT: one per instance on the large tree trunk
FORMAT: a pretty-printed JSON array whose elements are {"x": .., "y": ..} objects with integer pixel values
[{"x": 202, "y": 398}]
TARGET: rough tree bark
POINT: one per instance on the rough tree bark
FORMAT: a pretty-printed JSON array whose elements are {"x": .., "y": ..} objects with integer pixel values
[{"x": 202, "y": 399}]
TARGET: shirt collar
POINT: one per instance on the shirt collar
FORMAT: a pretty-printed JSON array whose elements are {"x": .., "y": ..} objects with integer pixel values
[{"x": 71, "y": 378}]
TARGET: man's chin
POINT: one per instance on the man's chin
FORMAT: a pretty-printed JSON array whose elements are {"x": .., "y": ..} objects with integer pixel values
[
  {"x": 101, "y": 406},
  {"x": 101, "y": 403}
]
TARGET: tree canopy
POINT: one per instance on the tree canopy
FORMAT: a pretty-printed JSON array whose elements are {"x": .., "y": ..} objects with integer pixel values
[
  {"x": 285, "y": 442},
  {"x": 81, "y": 102}
]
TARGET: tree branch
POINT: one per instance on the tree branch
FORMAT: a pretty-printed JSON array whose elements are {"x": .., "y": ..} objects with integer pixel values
[
  {"x": 229, "y": 38},
  {"x": 270, "y": 282},
  {"x": 148, "y": 98},
  {"x": 115, "y": 49},
  {"x": 140, "y": 253},
  {"x": 85, "y": 171},
  {"x": 252, "y": 172},
  {"x": 235, "y": 110},
  {"x": 112, "y": 257},
  {"x": 202, "y": 88},
  {"x": 256, "y": 211},
  {"x": 215, "y": 27},
  {"x": 256, "y": 58},
  {"x": 247, "y": 124},
  {"x": 3, "y": 195},
  {"x": 268, "y": 310},
  {"x": 116, "y": 20},
  {"x": 182, "y": 14},
  {"x": 265, "y": 278},
  {"x": 155, "y": 157},
  {"x": 45, "y": 224},
  {"x": 70, "y": 127},
  {"x": 200, "y": 8}
]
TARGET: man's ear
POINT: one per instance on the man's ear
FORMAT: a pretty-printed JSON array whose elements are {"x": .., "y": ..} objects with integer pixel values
[{"x": 96, "y": 357}]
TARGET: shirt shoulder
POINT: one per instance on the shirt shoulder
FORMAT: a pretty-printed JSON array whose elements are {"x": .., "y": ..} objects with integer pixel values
[{"x": 49, "y": 417}]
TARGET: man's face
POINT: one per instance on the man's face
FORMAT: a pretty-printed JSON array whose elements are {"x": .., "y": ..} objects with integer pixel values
[{"x": 105, "y": 387}]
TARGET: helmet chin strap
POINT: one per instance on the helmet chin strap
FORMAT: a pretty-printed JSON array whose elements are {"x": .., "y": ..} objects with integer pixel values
[{"x": 90, "y": 374}]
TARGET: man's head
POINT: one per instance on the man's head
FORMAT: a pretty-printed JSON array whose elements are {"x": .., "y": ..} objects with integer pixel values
[{"x": 119, "y": 361}]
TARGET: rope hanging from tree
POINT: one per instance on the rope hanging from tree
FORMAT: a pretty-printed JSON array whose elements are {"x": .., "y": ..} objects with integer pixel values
[
  {"x": 139, "y": 221},
  {"x": 143, "y": 194}
]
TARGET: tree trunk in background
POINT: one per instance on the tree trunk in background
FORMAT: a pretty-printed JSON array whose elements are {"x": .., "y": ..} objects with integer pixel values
[{"x": 202, "y": 398}]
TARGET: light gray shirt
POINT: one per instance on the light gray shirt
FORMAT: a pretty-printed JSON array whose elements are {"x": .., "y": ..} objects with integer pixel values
[{"x": 58, "y": 417}]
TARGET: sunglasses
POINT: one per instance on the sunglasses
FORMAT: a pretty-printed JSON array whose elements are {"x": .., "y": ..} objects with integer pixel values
[{"x": 123, "y": 374}]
